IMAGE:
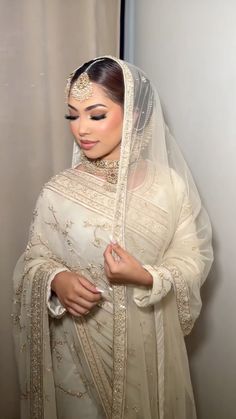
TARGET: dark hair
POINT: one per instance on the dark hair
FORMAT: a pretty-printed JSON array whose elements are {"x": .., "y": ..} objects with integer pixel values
[{"x": 108, "y": 74}]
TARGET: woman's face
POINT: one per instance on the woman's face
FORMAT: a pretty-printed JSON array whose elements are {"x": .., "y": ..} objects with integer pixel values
[{"x": 96, "y": 124}]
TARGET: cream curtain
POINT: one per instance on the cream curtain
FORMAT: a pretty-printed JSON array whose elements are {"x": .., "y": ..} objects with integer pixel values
[{"x": 41, "y": 41}]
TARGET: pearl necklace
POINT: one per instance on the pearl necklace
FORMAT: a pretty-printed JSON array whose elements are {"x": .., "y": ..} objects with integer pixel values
[{"x": 107, "y": 169}]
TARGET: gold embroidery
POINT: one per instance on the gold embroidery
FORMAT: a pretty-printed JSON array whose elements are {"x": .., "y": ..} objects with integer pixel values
[
  {"x": 56, "y": 225},
  {"x": 182, "y": 299},
  {"x": 145, "y": 219},
  {"x": 90, "y": 353},
  {"x": 98, "y": 242},
  {"x": 43, "y": 251},
  {"x": 25, "y": 396},
  {"x": 119, "y": 292},
  {"x": 36, "y": 347},
  {"x": 16, "y": 317},
  {"x": 37, "y": 313},
  {"x": 77, "y": 394},
  {"x": 55, "y": 347},
  {"x": 96, "y": 197}
]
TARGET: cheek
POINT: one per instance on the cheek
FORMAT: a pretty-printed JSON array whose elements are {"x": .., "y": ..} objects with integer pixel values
[
  {"x": 114, "y": 124},
  {"x": 73, "y": 128}
]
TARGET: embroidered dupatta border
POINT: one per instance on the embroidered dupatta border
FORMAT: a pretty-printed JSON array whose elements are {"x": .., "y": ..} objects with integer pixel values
[
  {"x": 36, "y": 345},
  {"x": 119, "y": 292},
  {"x": 39, "y": 333},
  {"x": 100, "y": 380}
]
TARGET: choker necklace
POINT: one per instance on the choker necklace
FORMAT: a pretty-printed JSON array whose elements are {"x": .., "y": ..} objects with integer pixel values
[{"x": 107, "y": 169}]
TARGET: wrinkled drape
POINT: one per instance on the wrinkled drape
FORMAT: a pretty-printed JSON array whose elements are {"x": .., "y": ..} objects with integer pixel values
[{"x": 40, "y": 42}]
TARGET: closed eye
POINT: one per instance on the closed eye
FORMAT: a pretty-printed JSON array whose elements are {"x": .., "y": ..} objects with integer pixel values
[
  {"x": 93, "y": 117},
  {"x": 71, "y": 117},
  {"x": 98, "y": 117}
]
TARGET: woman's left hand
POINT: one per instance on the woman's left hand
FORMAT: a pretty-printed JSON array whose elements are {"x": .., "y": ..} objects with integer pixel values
[{"x": 122, "y": 268}]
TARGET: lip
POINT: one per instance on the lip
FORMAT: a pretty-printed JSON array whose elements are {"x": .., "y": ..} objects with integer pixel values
[{"x": 87, "y": 145}]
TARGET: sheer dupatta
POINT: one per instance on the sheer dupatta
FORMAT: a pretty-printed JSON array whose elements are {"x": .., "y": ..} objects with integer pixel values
[{"x": 182, "y": 267}]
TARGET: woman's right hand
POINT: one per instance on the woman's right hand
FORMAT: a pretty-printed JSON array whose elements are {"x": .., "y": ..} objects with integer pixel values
[{"x": 76, "y": 293}]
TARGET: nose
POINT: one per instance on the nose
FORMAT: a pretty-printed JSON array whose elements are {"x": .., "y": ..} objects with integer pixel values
[{"x": 83, "y": 126}]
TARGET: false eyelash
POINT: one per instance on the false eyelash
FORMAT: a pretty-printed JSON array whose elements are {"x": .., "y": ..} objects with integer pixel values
[
  {"x": 98, "y": 117},
  {"x": 71, "y": 117},
  {"x": 93, "y": 117}
]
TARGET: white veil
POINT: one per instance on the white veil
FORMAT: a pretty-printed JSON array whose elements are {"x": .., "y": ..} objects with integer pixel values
[
  {"x": 148, "y": 147},
  {"x": 146, "y": 135}
]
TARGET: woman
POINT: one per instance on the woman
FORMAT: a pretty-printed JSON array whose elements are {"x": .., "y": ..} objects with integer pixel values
[{"x": 118, "y": 249}]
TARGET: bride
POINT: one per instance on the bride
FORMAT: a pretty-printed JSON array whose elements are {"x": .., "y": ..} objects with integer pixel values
[{"x": 119, "y": 247}]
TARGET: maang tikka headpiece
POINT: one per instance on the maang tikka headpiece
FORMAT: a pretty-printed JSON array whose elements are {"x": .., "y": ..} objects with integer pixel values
[{"x": 82, "y": 88}]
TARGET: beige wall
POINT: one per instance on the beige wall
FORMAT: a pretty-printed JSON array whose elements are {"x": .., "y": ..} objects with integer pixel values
[{"x": 188, "y": 48}]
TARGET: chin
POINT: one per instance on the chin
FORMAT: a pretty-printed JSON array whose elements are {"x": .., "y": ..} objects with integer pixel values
[
  {"x": 94, "y": 154},
  {"x": 91, "y": 154}
]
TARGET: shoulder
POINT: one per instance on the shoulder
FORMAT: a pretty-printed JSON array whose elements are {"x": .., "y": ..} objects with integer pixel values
[
  {"x": 64, "y": 180},
  {"x": 54, "y": 184},
  {"x": 58, "y": 178},
  {"x": 178, "y": 183},
  {"x": 166, "y": 178}
]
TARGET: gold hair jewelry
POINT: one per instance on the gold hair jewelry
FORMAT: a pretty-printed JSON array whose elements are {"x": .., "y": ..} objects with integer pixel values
[
  {"x": 82, "y": 88},
  {"x": 108, "y": 169}
]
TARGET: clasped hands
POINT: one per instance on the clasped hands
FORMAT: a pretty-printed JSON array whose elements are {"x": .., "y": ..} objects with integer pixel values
[{"x": 78, "y": 295}]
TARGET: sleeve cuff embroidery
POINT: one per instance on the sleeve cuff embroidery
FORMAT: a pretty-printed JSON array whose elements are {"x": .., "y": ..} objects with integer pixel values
[
  {"x": 161, "y": 286},
  {"x": 165, "y": 277},
  {"x": 182, "y": 299}
]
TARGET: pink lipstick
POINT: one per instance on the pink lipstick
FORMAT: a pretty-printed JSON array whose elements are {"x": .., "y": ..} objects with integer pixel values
[{"x": 87, "y": 145}]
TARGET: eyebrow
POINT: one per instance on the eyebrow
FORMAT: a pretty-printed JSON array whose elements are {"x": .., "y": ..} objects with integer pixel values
[{"x": 89, "y": 108}]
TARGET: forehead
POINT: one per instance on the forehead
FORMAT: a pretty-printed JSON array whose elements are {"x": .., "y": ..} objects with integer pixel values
[{"x": 99, "y": 96}]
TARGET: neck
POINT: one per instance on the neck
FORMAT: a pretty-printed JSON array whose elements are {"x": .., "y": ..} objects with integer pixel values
[{"x": 108, "y": 169}]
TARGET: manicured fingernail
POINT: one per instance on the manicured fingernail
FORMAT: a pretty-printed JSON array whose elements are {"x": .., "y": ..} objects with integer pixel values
[
  {"x": 100, "y": 290},
  {"x": 112, "y": 240}
]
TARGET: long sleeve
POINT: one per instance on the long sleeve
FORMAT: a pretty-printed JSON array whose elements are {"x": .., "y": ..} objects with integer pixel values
[
  {"x": 42, "y": 256},
  {"x": 182, "y": 267},
  {"x": 55, "y": 308}
]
